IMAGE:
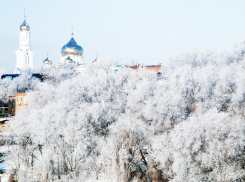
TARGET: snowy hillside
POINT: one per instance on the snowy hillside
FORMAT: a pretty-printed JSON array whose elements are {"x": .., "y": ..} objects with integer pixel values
[{"x": 131, "y": 126}]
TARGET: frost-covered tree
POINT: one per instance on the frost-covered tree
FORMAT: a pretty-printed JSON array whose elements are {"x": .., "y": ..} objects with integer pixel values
[{"x": 130, "y": 126}]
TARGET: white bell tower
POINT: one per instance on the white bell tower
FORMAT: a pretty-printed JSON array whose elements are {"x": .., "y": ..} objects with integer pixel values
[{"x": 24, "y": 54}]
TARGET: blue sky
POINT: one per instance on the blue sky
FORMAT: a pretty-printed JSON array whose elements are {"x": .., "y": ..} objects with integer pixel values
[{"x": 147, "y": 32}]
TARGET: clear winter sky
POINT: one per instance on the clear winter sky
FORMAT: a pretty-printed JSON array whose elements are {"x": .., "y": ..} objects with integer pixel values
[{"x": 145, "y": 31}]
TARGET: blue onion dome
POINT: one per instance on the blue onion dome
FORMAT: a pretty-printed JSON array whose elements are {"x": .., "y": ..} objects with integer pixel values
[
  {"x": 24, "y": 26},
  {"x": 47, "y": 62},
  {"x": 68, "y": 60},
  {"x": 71, "y": 48}
]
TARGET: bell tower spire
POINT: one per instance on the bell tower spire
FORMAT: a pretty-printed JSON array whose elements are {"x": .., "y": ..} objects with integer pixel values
[{"x": 24, "y": 54}]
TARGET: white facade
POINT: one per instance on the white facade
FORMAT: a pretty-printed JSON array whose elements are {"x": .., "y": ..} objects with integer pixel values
[{"x": 24, "y": 54}]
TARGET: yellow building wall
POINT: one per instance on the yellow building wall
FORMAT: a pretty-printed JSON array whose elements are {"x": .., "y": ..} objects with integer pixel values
[{"x": 21, "y": 101}]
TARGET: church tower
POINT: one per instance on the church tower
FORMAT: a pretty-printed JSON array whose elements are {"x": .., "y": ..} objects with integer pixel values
[
  {"x": 71, "y": 53},
  {"x": 24, "y": 54}
]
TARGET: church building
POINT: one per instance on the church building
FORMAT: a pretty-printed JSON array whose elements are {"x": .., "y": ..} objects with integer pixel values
[{"x": 71, "y": 52}]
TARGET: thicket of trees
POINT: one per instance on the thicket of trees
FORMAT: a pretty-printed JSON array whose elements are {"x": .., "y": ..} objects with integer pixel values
[{"x": 131, "y": 126}]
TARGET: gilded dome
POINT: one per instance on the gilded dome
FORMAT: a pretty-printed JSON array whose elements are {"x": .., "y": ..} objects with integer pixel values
[
  {"x": 47, "y": 62},
  {"x": 71, "y": 48},
  {"x": 68, "y": 60},
  {"x": 24, "y": 26}
]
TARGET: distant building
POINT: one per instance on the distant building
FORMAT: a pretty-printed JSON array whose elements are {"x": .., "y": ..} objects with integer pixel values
[
  {"x": 39, "y": 76},
  {"x": 24, "y": 54},
  {"x": 71, "y": 52},
  {"x": 47, "y": 62},
  {"x": 21, "y": 102},
  {"x": 11, "y": 105},
  {"x": 4, "y": 109},
  {"x": 7, "y": 108},
  {"x": 155, "y": 68}
]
